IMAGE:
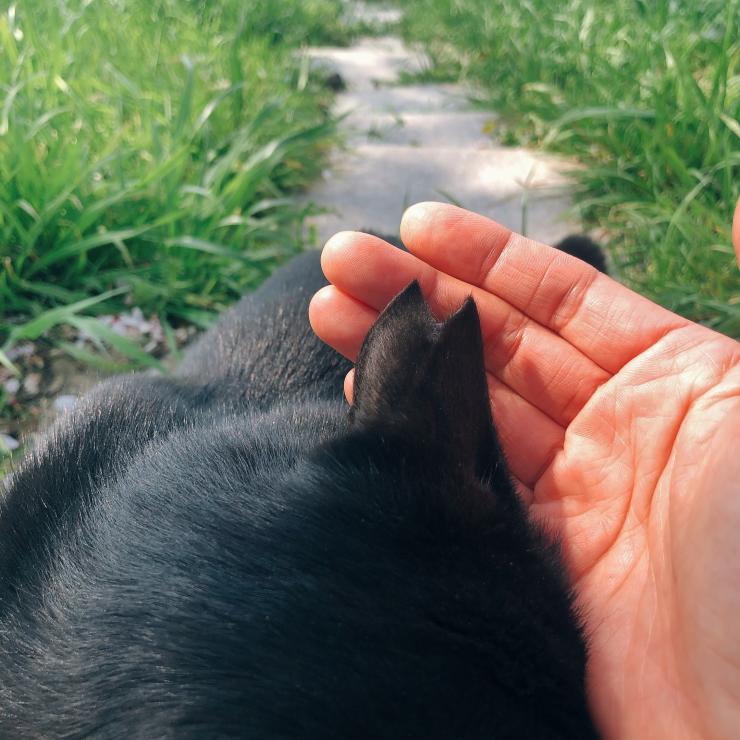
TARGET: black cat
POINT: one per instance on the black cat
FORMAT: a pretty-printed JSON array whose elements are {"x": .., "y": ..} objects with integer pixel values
[
  {"x": 585, "y": 249},
  {"x": 234, "y": 552}
]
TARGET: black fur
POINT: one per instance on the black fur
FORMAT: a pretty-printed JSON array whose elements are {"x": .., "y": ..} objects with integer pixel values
[
  {"x": 585, "y": 249},
  {"x": 230, "y": 552}
]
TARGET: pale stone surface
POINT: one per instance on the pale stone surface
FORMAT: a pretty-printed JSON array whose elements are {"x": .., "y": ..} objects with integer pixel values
[
  {"x": 372, "y": 13},
  {"x": 407, "y": 143},
  {"x": 369, "y": 61},
  {"x": 8, "y": 443}
]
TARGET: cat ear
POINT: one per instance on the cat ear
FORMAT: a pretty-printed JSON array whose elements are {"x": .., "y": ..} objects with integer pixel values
[
  {"x": 427, "y": 380},
  {"x": 391, "y": 361}
]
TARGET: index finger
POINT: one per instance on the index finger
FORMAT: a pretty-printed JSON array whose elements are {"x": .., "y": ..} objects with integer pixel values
[{"x": 606, "y": 321}]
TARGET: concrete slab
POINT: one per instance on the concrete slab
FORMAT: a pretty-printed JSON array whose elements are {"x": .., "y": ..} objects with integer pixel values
[
  {"x": 406, "y": 99},
  {"x": 372, "y": 13},
  {"x": 371, "y": 187},
  {"x": 425, "y": 142},
  {"x": 369, "y": 61},
  {"x": 435, "y": 130}
]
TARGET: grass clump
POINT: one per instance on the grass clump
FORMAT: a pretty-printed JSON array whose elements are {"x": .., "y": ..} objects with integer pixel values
[
  {"x": 148, "y": 152},
  {"x": 647, "y": 96}
]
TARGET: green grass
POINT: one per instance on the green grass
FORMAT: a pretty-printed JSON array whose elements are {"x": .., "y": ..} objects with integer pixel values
[
  {"x": 150, "y": 151},
  {"x": 646, "y": 95}
]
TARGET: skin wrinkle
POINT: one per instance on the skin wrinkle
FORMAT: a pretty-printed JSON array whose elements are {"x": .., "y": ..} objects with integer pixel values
[
  {"x": 573, "y": 300},
  {"x": 491, "y": 258},
  {"x": 504, "y": 273},
  {"x": 725, "y": 369},
  {"x": 553, "y": 448},
  {"x": 678, "y": 631},
  {"x": 664, "y": 332},
  {"x": 508, "y": 339},
  {"x": 431, "y": 289},
  {"x": 648, "y": 496},
  {"x": 586, "y": 574},
  {"x": 548, "y": 460},
  {"x": 609, "y": 541},
  {"x": 615, "y": 586},
  {"x": 451, "y": 224},
  {"x": 693, "y": 397},
  {"x": 535, "y": 283},
  {"x": 688, "y": 625},
  {"x": 576, "y": 292},
  {"x": 574, "y": 404},
  {"x": 671, "y": 674},
  {"x": 676, "y": 334},
  {"x": 651, "y": 621}
]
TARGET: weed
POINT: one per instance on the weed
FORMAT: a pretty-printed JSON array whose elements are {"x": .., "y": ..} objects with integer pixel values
[
  {"x": 646, "y": 95},
  {"x": 147, "y": 150}
]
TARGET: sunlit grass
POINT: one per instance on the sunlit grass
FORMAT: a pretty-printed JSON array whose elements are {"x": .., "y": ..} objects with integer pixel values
[
  {"x": 647, "y": 95},
  {"x": 148, "y": 155}
]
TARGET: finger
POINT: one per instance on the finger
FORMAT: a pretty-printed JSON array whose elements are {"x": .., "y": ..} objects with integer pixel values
[
  {"x": 531, "y": 360},
  {"x": 529, "y": 438},
  {"x": 349, "y": 386},
  {"x": 736, "y": 231},
  {"x": 340, "y": 321},
  {"x": 606, "y": 321}
]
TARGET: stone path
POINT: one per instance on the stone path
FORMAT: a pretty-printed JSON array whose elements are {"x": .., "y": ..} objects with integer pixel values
[{"x": 407, "y": 143}]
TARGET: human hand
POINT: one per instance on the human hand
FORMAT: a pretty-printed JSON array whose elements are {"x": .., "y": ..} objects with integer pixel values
[
  {"x": 621, "y": 422},
  {"x": 736, "y": 231}
]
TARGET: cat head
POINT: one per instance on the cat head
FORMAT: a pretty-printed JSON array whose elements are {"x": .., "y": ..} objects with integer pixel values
[{"x": 298, "y": 573}]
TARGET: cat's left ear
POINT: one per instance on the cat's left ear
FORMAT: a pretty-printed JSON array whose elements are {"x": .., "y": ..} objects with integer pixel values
[{"x": 428, "y": 381}]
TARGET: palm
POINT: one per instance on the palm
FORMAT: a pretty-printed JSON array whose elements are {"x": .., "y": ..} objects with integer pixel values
[
  {"x": 616, "y": 419},
  {"x": 650, "y": 544}
]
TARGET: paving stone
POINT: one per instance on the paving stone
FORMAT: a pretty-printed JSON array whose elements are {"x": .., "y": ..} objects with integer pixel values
[{"x": 407, "y": 143}]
